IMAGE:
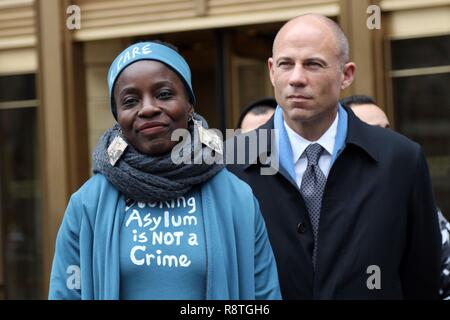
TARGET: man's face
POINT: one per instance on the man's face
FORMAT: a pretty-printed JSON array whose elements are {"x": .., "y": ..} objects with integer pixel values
[
  {"x": 307, "y": 73},
  {"x": 371, "y": 114},
  {"x": 252, "y": 121}
]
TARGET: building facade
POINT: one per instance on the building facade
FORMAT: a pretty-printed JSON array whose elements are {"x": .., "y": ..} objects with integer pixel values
[{"x": 55, "y": 54}]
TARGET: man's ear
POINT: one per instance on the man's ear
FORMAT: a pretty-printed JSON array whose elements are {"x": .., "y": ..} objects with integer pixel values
[
  {"x": 270, "y": 65},
  {"x": 348, "y": 74}
]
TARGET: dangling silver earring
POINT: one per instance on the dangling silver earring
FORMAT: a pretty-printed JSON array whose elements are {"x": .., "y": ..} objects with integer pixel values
[
  {"x": 117, "y": 148},
  {"x": 208, "y": 137}
]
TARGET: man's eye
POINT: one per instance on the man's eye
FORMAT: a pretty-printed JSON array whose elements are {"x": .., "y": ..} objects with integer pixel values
[
  {"x": 284, "y": 63},
  {"x": 314, "y": 64}
]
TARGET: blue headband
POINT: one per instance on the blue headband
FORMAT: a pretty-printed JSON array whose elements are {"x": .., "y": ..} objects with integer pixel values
[{"x": 149, "y": 51}]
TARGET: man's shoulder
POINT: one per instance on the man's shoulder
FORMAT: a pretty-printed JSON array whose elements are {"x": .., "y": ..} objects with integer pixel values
[
  {"x": 385, "y": 141},
  {"x": 395, "y": 138}
]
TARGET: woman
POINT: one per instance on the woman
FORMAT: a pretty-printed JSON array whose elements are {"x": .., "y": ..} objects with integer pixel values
[{"x": 144, "y": 227}]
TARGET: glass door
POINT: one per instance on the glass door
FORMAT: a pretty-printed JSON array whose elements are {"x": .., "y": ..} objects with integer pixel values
[
  {"x": 20, "y": 247},
  {"x": 420, "y": 79}
]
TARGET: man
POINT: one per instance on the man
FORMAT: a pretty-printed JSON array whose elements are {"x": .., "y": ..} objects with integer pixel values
[
  {"x": 350, "y": 211},
  {"x": 366, "y": 109},
  {"x": 256, "y": 114}
]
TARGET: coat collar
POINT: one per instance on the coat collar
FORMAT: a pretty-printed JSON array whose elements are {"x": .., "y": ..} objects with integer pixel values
[
  {"x": 360, "y": 135},
  {"x": 357, "y": 135}
]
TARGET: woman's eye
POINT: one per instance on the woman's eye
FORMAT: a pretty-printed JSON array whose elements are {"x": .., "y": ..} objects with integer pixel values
[
  {"x": 130, "y": 102},
  {"x": 164, "y": 95}
]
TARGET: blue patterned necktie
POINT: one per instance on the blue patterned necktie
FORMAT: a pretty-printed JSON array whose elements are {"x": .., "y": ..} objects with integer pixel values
[{"x": 312, "y": 186}]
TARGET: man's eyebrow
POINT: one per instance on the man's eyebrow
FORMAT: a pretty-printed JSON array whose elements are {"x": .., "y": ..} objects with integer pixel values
[
  {"x": 283, "y": 58},
  {"x": 319, "y": 59},
  {"x": 316, "y": 59}
]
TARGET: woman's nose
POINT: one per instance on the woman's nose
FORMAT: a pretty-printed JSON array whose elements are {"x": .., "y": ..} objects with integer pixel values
[{"x": 149, "y": 107}]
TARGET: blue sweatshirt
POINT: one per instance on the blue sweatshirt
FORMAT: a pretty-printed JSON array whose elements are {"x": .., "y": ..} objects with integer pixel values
[
  {"x": 239, "y": 259},
  {"x": 162, "y": 250}
]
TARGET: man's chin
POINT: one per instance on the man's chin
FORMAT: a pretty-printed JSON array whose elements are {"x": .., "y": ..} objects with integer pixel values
[{"x": 301, "y": 114}]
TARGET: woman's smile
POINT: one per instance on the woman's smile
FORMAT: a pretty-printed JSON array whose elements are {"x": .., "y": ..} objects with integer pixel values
[{"x": 152, "y": 128}]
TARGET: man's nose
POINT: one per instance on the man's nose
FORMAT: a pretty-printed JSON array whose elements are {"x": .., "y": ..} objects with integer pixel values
[{"x": 298, "y": 76}]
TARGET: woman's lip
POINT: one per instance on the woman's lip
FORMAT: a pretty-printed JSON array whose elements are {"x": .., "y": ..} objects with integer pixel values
[
  {"x": 152, "y": 130},
  {"x": 151, "y": 127},
  {"x": 151, "y": 124}
]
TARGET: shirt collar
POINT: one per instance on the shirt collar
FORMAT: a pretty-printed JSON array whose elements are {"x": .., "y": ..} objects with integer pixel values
[{"x": 299, "y": 144}]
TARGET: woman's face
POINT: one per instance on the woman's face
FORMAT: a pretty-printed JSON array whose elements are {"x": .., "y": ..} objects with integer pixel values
[{"x": 151, "y": 103}]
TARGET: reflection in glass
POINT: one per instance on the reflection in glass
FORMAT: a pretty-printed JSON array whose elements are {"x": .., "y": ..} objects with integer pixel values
[
  {"x": 21, "y": 274},
  {"x": 422, "y": 105}
]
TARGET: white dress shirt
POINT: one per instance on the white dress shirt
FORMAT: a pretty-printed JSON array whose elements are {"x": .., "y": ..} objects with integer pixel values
[{"x": 299, "y": 144}]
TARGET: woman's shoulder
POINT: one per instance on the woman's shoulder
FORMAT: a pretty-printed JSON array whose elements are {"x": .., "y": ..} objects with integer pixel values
[
  {"x": 93, "y": 187},
  {"x": 227, "y": 176},
  {"x": 96, "y": 195},
  {"x": 232, "y": 198},
  {"x": 227, "y": 183}
]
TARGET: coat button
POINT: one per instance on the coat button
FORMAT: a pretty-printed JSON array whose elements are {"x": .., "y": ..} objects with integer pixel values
[{"x": 301, "y": 227}]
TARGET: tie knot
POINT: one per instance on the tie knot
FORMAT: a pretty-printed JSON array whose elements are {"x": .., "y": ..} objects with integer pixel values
[{"x": 313, "y": 152}]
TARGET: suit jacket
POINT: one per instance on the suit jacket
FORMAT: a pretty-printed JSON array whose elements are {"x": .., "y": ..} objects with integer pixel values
[{"x": 378, "y": 235}]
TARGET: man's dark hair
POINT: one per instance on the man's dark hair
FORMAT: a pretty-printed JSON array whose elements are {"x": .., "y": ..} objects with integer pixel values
[
  {"x": 356, "y": 100},
  {"x": 258, "y": 107}
]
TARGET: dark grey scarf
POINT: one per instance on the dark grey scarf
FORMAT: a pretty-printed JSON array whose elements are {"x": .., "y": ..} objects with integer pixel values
[{"x": 148, "y": 178}]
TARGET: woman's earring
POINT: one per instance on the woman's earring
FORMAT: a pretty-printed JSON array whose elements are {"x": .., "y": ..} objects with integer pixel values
[
  {"x": 116, "y": 148},
  {"x": 208, "y": 137}
]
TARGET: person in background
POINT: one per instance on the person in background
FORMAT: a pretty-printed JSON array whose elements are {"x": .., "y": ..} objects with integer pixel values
[
  {"x": 350, "y": 212},
  {"x": 444, "y": 290},
  {"x": 256, "y": 114},
  {"x": 366, "y": 109},
  {"x": 144, "y": 227}
]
